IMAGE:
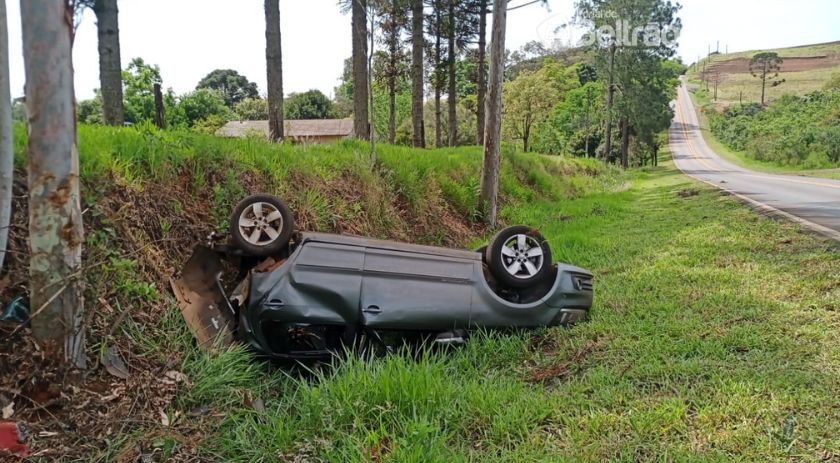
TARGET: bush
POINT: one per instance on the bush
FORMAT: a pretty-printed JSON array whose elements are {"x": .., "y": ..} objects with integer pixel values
[{"x": 794, "y": 130}]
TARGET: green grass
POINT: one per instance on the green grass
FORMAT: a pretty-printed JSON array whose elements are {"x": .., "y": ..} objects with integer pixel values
[
  {"x": 713, "y": 338},
  {"x": 701, "y": 101}
]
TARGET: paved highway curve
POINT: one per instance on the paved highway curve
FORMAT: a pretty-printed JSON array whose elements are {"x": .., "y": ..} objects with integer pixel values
[{"x": 813, "y": 202}]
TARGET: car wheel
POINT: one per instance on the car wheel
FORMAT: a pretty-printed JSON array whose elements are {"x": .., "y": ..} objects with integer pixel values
[
  {"x": 519, "y": 257},
  {"x": 262, "y": 225}
]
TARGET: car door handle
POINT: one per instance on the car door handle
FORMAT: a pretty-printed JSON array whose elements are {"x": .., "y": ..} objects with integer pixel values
[
  {"x": 372, "y": 309},
  {"x": 275, "y": 304}
]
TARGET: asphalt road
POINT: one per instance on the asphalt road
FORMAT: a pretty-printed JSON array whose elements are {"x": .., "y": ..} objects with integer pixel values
[{"x": 813, "y": 202}]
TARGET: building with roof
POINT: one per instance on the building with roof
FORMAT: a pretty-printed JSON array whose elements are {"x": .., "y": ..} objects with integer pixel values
[{"x": 298, "y": 131}]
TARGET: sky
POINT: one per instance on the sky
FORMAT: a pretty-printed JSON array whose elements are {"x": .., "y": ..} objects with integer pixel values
[{"x": 190, "y": 38}]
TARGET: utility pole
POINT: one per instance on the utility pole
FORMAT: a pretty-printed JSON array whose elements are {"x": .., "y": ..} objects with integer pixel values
[{"x": 716, "y": 74}]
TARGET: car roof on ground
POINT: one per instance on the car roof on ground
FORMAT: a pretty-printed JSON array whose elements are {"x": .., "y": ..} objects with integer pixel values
[{"x": 352, "y": 240}]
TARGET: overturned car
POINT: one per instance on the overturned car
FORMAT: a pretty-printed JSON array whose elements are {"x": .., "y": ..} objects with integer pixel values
[{"x": 304, "y": 295}]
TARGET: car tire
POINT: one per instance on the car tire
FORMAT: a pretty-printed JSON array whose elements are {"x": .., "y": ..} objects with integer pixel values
[
  {"x": 519, "y": 257},
  {"x": 261, "y": 225}
]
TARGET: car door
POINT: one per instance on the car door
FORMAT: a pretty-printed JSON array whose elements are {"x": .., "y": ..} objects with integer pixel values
[
  {"x": 320, "y": 284},
  {"x": 415, "y": 291}
]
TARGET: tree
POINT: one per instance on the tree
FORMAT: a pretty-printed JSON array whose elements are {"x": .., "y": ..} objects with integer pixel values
[
  {"x": 110, "y": 67},
  {"x": 252, "y": 109},
  {"x": 436, "y": 28},
  {"x": 766, "y": 66},
  {"x": 140, "y": 79},
  {"x": 361, "y": 120},
  {"x": 452, "y": 97},
  {"x": 90, "y": 111},
  {"x": 625, "y": 58},
  {"x": 574, "y": 124},
  {"x": 203, "y": 104},
  {"x": 55, "y": 216},
  {"x": 274, "y": 69},
  {"x": 6, "y": 149},
  {"x": 343, "y": 104},
  {"x": 481, "y": 81},
  {"x": 493, "y": 125},
  {"x": 417, "y": 42},
  {"x": 393, "y": 69},
  {"x": 530, "y": 98},
  {"x": 233, "y": 86},
  {"x": 308, "y": 105}
]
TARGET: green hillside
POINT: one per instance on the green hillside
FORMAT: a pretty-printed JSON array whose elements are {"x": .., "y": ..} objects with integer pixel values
[{"x": 805, "y": 69}]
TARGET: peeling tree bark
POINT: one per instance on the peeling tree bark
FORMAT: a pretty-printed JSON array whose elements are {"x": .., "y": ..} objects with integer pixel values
[
  {"x": 55, "y": 218},
  {"x": 274, "y": 69},
  {"x": 6, "y": 154},
  {"x": 110, "y": 67},
  {"x": 493, "y": 125}
]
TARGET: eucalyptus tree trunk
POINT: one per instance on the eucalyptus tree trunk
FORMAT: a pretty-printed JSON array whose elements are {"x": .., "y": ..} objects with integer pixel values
[
  {"x": 417, "y": 43},
  {"x": 55, "y": 218},
  {"x": 487, "y": 203},
  {"x": 453, "y": 98},
  {"x": 6, "y": 153},
  {"x": 361, "y": 124},
  {"x": 274, "y": 68},
  {"x": 481, "y": 82},
  {"x": 110, "y": 67}
]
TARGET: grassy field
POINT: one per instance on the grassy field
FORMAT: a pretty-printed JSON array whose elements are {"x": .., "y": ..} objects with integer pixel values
[
  {"x": 713, "y": 338},
  {"x": 702, "y": 103},
  {"x": 808, "y": 69}
]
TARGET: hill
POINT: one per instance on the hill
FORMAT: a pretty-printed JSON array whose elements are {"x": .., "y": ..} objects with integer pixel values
[{"x": 805, "y": 69}]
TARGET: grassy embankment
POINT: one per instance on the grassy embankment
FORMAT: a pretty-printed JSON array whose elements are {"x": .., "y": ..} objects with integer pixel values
[
  {"x": 806, "y": 69},
  {"x": 150, "y": 196},
  {"x": 713, "y": 336}
]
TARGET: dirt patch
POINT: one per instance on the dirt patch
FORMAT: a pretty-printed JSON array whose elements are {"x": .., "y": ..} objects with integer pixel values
[
  {"x": 688, "y": 192},
  {"x": 790, "y": 64},
  {"x": 71, "y": 415},
  {"x": 556, "y": 371}
]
